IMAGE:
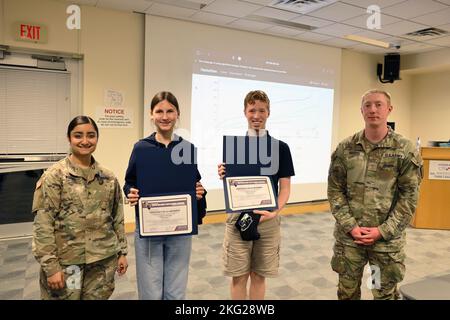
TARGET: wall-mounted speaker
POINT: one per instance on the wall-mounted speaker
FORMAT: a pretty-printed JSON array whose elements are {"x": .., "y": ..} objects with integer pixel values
[{"x": 392, "y": 67}]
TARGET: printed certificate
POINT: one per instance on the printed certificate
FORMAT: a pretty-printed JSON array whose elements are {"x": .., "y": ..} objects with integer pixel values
[
  {"x": 165, "y": 215},
  {"x": 249, "y": 192}
]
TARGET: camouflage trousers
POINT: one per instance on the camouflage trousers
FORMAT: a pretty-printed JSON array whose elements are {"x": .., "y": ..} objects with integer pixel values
[
  {"x": 387, "y": 270},
  {"x": 93, "y": 281}
]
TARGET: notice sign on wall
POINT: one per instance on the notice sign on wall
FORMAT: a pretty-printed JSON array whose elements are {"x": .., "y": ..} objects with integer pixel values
[
  {"x": 114, "y": 114},
  {"x": 439, "y": 170},
  {"x": 113, "y": 98},
  {"x": 114, "y": 117}
]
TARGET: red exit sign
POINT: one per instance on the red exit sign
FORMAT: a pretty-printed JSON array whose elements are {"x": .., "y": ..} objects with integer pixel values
[{"x": 31, "y": 32}]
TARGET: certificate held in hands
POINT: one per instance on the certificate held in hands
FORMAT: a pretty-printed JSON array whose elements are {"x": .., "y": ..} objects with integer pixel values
[
  {"x": 166, "y": 180},
  {"x": 165, "y": 215},
  {"x": 249, "y": 192},
  {"x": 245, "y": 187}
]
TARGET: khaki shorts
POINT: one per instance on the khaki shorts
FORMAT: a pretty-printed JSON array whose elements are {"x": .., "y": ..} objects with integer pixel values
[{"x": 261, "y": 256}]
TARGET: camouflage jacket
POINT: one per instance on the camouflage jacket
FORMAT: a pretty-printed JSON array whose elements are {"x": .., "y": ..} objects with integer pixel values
[
  {"x": 374, "y": 186},
  {"x": 79, "y": 216}
]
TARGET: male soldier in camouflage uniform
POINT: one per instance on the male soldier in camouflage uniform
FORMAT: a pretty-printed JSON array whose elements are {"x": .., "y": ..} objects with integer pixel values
[
  {"x": 78, "y": 231},
  {"x": 373, "y": 186}
]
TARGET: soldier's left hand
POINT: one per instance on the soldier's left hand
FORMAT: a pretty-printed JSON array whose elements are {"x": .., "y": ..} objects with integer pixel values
[
  {"x": 369, "y": 235},
  {"x": 122, "y": 265}
]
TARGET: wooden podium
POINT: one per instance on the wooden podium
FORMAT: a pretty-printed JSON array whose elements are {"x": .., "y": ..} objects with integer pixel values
[{"x": 433, "y": 210}]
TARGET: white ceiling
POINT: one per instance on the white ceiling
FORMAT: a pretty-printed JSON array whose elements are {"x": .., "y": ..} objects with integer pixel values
[{"x": 331, "y": 22}]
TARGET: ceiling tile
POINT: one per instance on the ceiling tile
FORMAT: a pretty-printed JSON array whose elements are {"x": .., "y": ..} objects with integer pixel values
[
  {"x": 367, "y": 3},
  {"x": 187, "y": 4},
  {"x": 284, "y": 31},
  {"x": 367, "y": 48},
  {"x": 338, "y": 30},
  {"x": 402, "y": 27},
  {"x": 445, "y": 27},
  {"x": 418, "y": 47},
  {"x": 372, "y": 35},
  {"x": 261, "y": 2},
  {"x": 338, "y": 12},
  {"x": 443, "y": 41},
  {"x": 250, "y": 25},
  {"x": 169, "y": 11},
  {"x": 213, "y": 18},
  {"x": 83, "y": 2},
  {"x": 131, "y": 5},
  {"x": 435, "y": 18},
  {"x": 276, "y": 13},
  {"x": 361, "y": 21},
  {"x": 312, "y": 21},
  {"x": 315, "y": 37},
  {"x": 233, "y": 8},
  {"x": 351, "y": 14},
  {"x": 200, "y": 1},
  {"x": 413, "y": 8},
  {"x": 398, "y": 41}
]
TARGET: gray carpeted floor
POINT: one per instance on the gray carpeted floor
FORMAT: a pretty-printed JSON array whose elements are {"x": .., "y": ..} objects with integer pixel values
[{"x": 305, "y": 271}]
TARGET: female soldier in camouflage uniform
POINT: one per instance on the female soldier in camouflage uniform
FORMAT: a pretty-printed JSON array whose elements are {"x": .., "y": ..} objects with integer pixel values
[{"x": 78, "y": 231}]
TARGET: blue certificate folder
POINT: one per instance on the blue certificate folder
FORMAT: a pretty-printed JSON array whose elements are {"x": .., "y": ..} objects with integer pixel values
[
  {"x": 158, "y": 175},
  {"x": 241, "y": 155}
]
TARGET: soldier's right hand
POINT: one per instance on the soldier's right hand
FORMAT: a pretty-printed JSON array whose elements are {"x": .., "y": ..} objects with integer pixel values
[
  {"x": 356, "y": 234},
  {"x": 133, "y": 196},
  {"x": 361, "y": 237},
  {"x": 221, "y": 170},
  {"x": 56, "y": 281}
]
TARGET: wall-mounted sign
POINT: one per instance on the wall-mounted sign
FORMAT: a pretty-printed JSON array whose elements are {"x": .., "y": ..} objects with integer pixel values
[
  {"x": 31, "y": 32},
  {"x": 439, "y": 170},
  {"x": 113, "y": 98},
  {"x": 114, "y": 117}
]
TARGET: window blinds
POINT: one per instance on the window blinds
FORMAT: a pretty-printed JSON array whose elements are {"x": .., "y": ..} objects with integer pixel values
[{"x": 34, "y": 111}]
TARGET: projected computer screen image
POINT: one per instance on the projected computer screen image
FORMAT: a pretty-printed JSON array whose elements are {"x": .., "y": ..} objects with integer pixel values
[
  {"x": 300, "y": 115},
  {"x": 210, "y": 70}
]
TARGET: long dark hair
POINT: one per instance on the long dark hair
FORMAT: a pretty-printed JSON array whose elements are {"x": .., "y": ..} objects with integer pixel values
[
  {"x": 81, "y": 120},
  {"x": 164, "y": 95}
]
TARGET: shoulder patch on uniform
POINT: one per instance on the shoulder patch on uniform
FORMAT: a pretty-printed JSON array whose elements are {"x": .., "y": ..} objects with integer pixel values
[{"x": 417, "y": 160}]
